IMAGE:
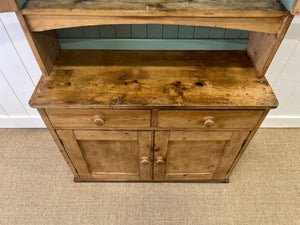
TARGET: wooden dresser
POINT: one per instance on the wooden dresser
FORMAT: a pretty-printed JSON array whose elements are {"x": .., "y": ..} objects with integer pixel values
[
  {"x": 184, "y": 116},
  {"x": 153, "y": 115}
]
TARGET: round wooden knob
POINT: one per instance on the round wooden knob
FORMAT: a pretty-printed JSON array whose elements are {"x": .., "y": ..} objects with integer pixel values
[
  {"x": 159, "y": 160},
  {"x": 144, "y": 160},
  {"x": 208, "y": 121},
  {"x": 99, "y": 120}
]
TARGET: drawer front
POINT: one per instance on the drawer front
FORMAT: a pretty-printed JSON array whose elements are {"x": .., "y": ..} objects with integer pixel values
[
  {"x": 208, "y": 119},
  {"x": 94, "y": 118}
]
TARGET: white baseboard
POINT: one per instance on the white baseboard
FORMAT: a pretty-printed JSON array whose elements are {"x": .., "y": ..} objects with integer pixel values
[
  {"x": 37, "y": 122},
  {"x": 21, "y": 122},
  {"x": 281, "y": 122}
]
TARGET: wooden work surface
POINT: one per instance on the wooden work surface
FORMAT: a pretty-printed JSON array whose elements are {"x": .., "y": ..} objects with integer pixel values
[
  {"x": 199, "y": 8},
  {"x": 142, "y": 79}
]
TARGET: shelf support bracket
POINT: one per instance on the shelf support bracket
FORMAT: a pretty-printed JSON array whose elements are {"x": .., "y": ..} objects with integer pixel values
[{"x": 262, "y": 47}]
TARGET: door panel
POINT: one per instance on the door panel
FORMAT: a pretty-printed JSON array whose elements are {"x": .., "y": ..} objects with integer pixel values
[
  {"x": 195, "y": 155},
  {"x": 110, "y": 155}
]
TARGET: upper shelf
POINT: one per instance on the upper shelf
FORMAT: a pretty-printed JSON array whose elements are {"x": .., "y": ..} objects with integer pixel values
[
  {"x": 205, "y": 8},
  {"x": 254, "y": 15}
]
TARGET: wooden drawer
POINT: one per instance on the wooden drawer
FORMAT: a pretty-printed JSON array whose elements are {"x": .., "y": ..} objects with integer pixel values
[
  {"x": 94, "y": 118},
  {"x": 212, "y": 119}
]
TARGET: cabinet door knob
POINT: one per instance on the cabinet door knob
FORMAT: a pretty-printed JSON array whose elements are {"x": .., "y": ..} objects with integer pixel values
[
  {"x": 99, "y": 120},
  {"x": 208, "y": 121},
  {"x": 144, "y": 160},
  {"x": 160, "y": 160}
]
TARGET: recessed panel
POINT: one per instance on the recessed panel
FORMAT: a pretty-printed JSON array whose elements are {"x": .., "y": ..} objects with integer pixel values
[
  {"x": 194, "y": 156},
  {"x": 111, "y": 156}
]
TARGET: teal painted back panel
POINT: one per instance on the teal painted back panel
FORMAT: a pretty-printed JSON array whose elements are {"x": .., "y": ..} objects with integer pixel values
[
  {"x": 152, "y": 37},
  {"x": 154, "y": 44},
  {"x": 21, "y": 3},
  {"x": 150, "y": 31},
  {"x": 288, "y": 3}
]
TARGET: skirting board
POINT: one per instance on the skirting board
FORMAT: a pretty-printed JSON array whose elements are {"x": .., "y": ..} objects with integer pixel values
[
  {"x": 37, "y": 122},
  {"x": 281, "y": 122},
  {"x": 21, "y": 122}
]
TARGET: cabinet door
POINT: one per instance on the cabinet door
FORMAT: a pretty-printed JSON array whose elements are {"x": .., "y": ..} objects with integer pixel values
[
  {"x": 109, "y": 155},
  {"x": 195, "y": 155}
]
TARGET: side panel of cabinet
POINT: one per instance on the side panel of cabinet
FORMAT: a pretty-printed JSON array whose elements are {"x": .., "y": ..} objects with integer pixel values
[
  {"x": 195, "y": 155},
  {"x": 109, "y": 155}
]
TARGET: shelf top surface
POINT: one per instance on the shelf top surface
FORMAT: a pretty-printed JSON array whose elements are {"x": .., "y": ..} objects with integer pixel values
[
  {"x": 141, "y": 79},
  {"x": 200, "y": 8}
]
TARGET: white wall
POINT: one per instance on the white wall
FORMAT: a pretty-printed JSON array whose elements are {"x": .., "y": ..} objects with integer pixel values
[
  {"x": 284, "y": 77},
  {"x": 19, "y": 73}
]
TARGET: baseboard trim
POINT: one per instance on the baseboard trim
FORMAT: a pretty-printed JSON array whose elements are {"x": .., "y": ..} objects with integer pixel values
[
  {"x": 37, "y": 122},
  {"x": 281, "y": 122},
  {"x": 152, "y": 181},
  {"x": 22, "y": 122}
]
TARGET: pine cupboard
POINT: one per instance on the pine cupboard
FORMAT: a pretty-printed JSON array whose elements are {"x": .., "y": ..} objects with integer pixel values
[
  {"x": 130, "y": 155},
  {"x": 174, "y": 116},
  {"x": 110, "y": 155},
  {"x": 146, "y": 118}
]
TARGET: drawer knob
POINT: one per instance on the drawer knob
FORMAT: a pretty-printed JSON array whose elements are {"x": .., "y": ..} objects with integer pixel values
[
  {"x": 208, "y": 121},
  {"x": 144, "y": 160},
  {"x": 159, "y": 160},
  {"x": 99, "y": 120}
]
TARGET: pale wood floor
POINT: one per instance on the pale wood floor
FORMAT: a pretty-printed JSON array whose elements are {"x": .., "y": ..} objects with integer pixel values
[{"x": 36, "y": 187}]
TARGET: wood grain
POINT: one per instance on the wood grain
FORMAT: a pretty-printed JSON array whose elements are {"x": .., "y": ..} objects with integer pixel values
[
  {"x": 111, "y": 155},
  {"x": 84, "y": 118},
  {"x": 260, "y": 24},
  {"x": 161, "y": 140},
  {"x": 130, "y": 89},
  {"x": 156, "y": 7},
  {"x": 244, "y": 147},
  {"x": 230, "y": 152},
  {"x": 196, "y": 155},
  {"x": 154, "y": 117},
  {"x": 296, "y": 8},
  {"x": 111, "y": 176},
  {"x": 44, "y": 46},
  {"x": 104, "y": 135},
  {"x": 184, "y": 177},
  {"x": 8, "y": 6},
  {"x": 261, "y": 16},
  {"x": 262, "y": 47},
  {"x": 199, "y": 136},
  {"x": 230, "y": 119},
  {"x": 48, "y": 48},
  {"x": 74, "y": 152},
  {"x": 195, "y": 159},
  {"x": 145, "y": 150},
  {"x": 111, "y": 158},
  {"x": 168, "y": 181},
  {"x": 133, "y": 79}
]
